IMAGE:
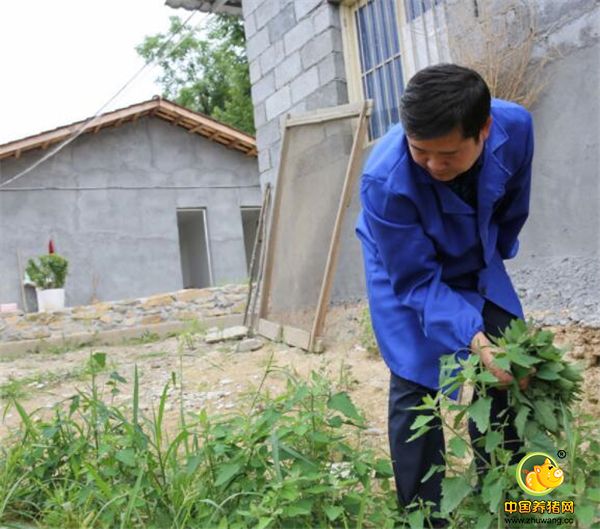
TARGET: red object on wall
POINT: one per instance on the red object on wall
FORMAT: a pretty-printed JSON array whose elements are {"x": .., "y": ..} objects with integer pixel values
[{"x": 50, "y": 247}]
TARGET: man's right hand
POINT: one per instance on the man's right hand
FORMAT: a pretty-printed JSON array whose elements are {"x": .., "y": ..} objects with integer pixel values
[{"x": 481, "y": 346}]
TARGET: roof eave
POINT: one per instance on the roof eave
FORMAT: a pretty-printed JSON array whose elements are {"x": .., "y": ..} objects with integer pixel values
[{"x": 228, "y": 7}]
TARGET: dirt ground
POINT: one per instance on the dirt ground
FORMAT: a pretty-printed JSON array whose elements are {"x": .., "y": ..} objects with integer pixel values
[{"x": 217, "y": 377}]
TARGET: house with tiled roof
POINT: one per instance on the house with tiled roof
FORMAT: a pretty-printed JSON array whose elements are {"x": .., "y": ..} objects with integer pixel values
[{"x": 141, "y": 200}]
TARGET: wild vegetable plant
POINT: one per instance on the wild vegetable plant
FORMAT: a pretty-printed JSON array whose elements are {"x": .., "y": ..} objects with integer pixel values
[
  {"x": 546, "y": 420},
  {"x": 298, "y": 459}
]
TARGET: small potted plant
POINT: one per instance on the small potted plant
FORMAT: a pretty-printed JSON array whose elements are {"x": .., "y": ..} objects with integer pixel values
[{"x": 48, "y": 274}]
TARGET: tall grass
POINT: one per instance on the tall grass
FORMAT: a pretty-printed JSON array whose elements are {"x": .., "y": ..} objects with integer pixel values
[{"x": 294, "y": 460}]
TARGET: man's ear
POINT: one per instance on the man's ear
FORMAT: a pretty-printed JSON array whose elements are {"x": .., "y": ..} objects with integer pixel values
[{"x": 485, "y": 130}]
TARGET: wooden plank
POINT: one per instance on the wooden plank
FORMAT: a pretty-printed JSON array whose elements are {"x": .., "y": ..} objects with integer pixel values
[
  {"x": 261, "y": 261},
  {"x": 272, "y": 223},
  {"x": 332, "y": 256},
  {"x": 296, "y": 337},
  {"x": 269, "y": 330},
  {"x": 254, "y": 261},
  {"x": 328, "y": 114},
  {"x": 210, "y": 123},
  {"x": 301, "y": 338}
]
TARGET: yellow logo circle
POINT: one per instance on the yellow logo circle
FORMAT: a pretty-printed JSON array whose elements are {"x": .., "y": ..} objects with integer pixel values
[{"x": 538, "y": 474}]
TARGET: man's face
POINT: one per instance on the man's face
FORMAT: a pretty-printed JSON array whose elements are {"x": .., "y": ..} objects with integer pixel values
[{"x": 445, "y": 157}]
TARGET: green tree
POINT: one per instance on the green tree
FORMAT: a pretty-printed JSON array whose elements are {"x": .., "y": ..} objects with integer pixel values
[{"x": 205, "y": 69}]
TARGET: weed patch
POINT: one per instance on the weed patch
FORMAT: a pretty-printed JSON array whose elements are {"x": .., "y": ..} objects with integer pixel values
[{"x": 295, "y": 460}]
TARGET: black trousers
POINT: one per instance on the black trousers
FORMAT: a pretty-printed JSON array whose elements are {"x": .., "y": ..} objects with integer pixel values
[{"x": 411, "y": 461}]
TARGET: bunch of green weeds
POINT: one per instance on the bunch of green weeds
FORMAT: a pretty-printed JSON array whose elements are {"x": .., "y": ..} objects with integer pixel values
[
  {"x": 546, "y": 419},
  {"x": 298, "y": 459}
]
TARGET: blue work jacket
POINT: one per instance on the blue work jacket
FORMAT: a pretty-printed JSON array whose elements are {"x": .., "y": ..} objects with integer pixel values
[{"x": 431, "y": 260}]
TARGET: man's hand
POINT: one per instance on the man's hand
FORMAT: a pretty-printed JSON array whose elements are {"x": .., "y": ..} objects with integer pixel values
[
  {"x": 483, "y": 347},
  {"x": 486, "y": 350}
]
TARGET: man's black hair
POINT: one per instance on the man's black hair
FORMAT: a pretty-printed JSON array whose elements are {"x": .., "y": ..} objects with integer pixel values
[{"x": 440, "y": 98}]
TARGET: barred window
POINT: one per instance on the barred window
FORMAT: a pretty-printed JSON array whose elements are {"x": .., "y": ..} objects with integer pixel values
[
  {"x": 380, "y": 61},
  {"x": 385, "y": 43}
]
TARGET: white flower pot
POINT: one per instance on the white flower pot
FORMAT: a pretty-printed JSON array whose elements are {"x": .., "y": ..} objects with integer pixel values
[{"x": 50, "y": 299}]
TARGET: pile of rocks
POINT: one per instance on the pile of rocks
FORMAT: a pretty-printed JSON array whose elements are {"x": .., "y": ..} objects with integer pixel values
[{"x": 181, "y": 306}]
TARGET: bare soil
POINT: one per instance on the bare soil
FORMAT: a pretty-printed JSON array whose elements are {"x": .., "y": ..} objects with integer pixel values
[{"x": 217, "y": 378}]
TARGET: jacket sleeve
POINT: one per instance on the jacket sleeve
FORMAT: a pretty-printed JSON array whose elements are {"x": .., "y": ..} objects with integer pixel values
[
  {"x": 514, "y": 210},
  {"x": 410, "y": 261}
]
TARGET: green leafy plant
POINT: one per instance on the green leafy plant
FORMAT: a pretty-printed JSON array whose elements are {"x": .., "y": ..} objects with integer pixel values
[
  {"x": 546, "y": 420},
  {"x": 49, "y": 271},
  {"x": 207, "y": 70},
  {"x": 298, "y": 459},
  {"x": 367, "y": 336}
]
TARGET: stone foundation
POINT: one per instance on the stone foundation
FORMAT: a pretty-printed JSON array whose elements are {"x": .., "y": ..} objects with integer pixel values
[{"x": 181, "y": 306}]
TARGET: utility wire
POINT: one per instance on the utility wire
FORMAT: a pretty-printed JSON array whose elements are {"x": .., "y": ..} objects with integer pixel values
[
  {"x": 91, "y": 120},
  {"x": 129, "y": 188}
]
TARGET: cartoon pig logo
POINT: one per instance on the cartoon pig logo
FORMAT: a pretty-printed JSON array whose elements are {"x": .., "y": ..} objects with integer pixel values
[{"x": 543, "y": 478}]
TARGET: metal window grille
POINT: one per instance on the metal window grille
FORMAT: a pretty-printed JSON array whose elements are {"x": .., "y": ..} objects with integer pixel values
[
  {"x": 380, "y": 62},
  {"x": 415, "y": 8}
]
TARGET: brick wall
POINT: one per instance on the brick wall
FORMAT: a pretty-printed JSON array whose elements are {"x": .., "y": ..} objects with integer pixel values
[{"x": 296, "y": 64}]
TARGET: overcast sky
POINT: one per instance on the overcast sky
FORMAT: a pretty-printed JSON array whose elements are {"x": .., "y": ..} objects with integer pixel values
[{"x": 61, "y": 60}]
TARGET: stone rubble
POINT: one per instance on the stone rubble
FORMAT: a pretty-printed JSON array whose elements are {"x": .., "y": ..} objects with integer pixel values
[{"x": 190, "y": 305}]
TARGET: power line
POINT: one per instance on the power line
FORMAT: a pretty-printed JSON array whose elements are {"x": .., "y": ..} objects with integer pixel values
[
  {"x": 129, "y": 188},
  {"x": 91, "y": 120}
]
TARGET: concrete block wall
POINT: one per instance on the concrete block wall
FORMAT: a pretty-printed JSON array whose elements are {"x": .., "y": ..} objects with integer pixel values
[
  {"x": 557, "y": 271},
  {"x": 296, "y": 64},
  {"x": 111, "y": 208}
]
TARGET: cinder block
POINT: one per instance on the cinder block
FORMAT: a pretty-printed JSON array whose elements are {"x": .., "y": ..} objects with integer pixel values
[
  {"x": 330, "y": 68},
  {"x": 250, "y": 26},
  {"x": 305, "y": 84},
  {"x": 326, "y": 16},
  {"x": 260, "y": 115},
  {"x": 249, "y": 6},
  {"x": 264, "y": 160},
  {"x": 317, "y": 49},
  {"x": 263, "y": 88},
  {"x": 288, "y": 70},
  {"x": 281, "y": 23},
  {"x": 332, "y": 94},
  {"x": 278, "y": 103},
  {"x": 298, "y": 36},
  {"x": 303, "y": 7},
  {"x": 271, "y": 57},
  {"x": 257, "y": 44},
  {"x": 274, "y": 153},
  {"x": 266, "y": 11},
  {"x": 268, "y": 134},
  {"x": 255, "y": 72}
]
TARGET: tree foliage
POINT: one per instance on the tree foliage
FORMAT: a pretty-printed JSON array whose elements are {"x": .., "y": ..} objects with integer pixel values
[{"x": 205, "y": 69}]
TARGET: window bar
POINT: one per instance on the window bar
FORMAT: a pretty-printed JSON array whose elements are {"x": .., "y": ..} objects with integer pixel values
[
  {"x": 378, "y": 9},
  {"x": 396, "y": 74},
  {"x": 425, "y": 34},
  {"x": 443, "y": 31},
  {"x": 436, "y": 31},
  {"x": 409, "y": 26},
  {"x": 363, "y": 61},
  {"x": 378, "y": 111}
]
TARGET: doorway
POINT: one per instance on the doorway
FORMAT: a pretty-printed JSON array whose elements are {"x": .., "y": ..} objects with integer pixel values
[
  {"x": 250, "y": 218},
  {"x": 193, "y": 248}
]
